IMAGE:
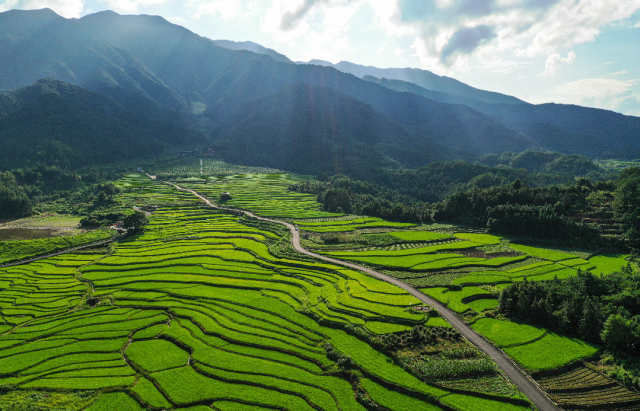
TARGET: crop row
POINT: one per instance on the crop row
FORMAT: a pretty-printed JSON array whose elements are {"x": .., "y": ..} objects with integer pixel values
[{"x": 218, "y": 320}]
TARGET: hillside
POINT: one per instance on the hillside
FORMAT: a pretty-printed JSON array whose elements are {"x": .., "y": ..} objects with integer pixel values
[
  {"x": 557, "y": 127},
  {"x": 58, "y": 123},
  {"x": 217, "y": 81},
  {"x": 428, "y": 80},
  {"x": 252, "y": 47},
  {"x": 317, "y": 129},
  {"x": 146, "y": 63}
]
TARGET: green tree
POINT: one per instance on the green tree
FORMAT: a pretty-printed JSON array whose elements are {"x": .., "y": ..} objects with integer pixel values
[
  {"x": 616, "y": 333},
  {"x": 13, "y": 198},
  {"x": 627, "y": 204},
  {"x": 135, "y": 222}
]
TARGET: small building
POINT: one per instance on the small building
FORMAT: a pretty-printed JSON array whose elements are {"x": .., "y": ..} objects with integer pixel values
[
  {"x": 140, "y": 170},
  {"x": 225, "y": 196}
]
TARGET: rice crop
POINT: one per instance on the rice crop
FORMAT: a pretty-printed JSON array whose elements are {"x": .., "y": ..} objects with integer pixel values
[
  {"x": 394, "y": 400},
  {"x": 550, "y": 352},
  {"x": 507, "y": 333},
  {"x": 419, "y": 235},
  {"x": 582, "y": 387},
  {"x": 24, "y": 249},
  {"x": 608, "y": 263},
  {"x": 204, "y": 308}
]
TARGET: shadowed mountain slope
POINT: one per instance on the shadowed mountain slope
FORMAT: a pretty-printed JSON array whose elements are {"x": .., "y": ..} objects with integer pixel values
[
  {"x": 428, "y": 80},
  {"x": 558, "y": 127},
  {"x": 58, "y": 123},
  {"x": 252, "y": 47},
  {"x": 317, "y": 129},
  {"x": 146, "y": 61}
]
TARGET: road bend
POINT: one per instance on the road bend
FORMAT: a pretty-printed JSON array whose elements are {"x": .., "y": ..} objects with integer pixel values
[{"x": 523, "y": 381}]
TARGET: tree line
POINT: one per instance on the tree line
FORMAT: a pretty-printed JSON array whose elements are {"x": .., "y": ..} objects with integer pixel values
[
  {"x": 555, "y": 212},
  {"x": 604, "y": 310}
]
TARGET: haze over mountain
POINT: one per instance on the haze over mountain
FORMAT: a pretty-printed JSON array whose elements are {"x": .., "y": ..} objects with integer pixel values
[
  {"x": 253, "y": 47},
  {"x": 422, "y": 78},
  {"x": 241, "y": 99},
  {"x": 66, "y": 125}
]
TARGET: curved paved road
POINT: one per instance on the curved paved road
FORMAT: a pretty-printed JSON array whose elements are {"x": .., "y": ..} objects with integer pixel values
[{"x": 517, "y": 376}]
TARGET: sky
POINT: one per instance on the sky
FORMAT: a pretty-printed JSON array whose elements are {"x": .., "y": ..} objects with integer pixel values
[{"x": 584, "y": 52}]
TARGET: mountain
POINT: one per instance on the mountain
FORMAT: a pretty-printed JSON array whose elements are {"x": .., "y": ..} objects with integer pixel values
[
  {"x": 159, "y": 70},
  {"x": 59, "y": 123},
  {"x": 62, "y": 49},
  {"x": 405, "y": 86},
  {"x": 253, "y": 47},
  {"x": 317, "y": 63},
  {"x": 425, "y": 79},
  {"x": 223, "y": 81},
  {"x": 557, "y": 127},
  {"x": 318, "y": 129}
]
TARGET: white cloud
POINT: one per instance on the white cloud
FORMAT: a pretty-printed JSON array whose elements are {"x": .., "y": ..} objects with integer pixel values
[
  {"x": 226, "y": 9},
  {"x": 603, "y": 93},
  {"x": 617, "y": 73},
  {"x": 554, "y": 63},
  {"x": 514, "y": 29},
  {"x": 131, "y": 6},
  {"x": 319, "y": 27},
  {"x": 65, "y": 8},
  {"x": 490, "y": 60}
]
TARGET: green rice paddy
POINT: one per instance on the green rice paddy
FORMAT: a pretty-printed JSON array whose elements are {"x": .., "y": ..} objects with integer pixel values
[
  {"x": 550, "y": 352},
  {"x": 265, "y": 194},
  {"x": 200, "y": 310}
]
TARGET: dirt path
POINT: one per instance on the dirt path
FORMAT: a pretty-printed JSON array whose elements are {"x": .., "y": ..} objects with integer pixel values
[
  {"x": 524, "y": 383},
  {"x": 68, "y": 250}
]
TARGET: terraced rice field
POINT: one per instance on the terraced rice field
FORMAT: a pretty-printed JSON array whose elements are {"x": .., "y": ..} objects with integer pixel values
[
  {"x": 11, "y": 251},
  {"x": 581, "y": 388},
  {"x": 533, "y": 347},
  {"x": 471, "y": 263},
  {"x": 466, "y": 271},
  {"x": 210, "y": 167},
  {"x": 348, "y": 225},
  {"x": 198, "y": 312},
  {"x": 266, "y": 195}
]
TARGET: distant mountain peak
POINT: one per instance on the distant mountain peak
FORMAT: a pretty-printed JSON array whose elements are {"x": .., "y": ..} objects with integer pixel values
[
  {"x": 316, "y": 62},
  {"x": 429, "y": 81},
  {"x": 252, "y": 47}
]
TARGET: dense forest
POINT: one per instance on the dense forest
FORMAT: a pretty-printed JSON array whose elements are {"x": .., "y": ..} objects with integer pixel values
[
  {"x": 603, "y": 310},
  {"x": 543, "y": 199},
  {"x": 42, "y": 188}
]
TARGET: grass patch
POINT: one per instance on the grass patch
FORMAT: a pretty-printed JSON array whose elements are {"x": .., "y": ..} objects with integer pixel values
[
  {"x": 115, "y": 401},
  {"x": 156, "y": 355},
  {"x": 506, "y": 333},
  {"x": 394, "y": 400},
  {"x": 550, "y": 352}
]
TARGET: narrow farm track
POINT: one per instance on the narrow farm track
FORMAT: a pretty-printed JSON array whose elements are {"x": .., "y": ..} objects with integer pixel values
[
  {"x": 65, "y": 251},
  {"x": 524, "y": 383}
]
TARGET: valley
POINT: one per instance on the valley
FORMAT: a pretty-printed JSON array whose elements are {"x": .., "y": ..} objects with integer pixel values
[
  {"x": 228, "y": 295},
  {"x": 197, "y": 224}
]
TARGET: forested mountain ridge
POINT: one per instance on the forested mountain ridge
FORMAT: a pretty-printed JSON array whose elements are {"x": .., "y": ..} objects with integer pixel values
[
  {"x": 58, "y": 48},
  {"x": 147, "y": 64},
  {"x": 253, "y": 47},
  {"x": 428, "y": 80},
  {"x": 557, "y": 127},
  {"x": 311, "y": 129},
  {"x": 174, "y": 62},
  {"x": 57, "y": 123}
]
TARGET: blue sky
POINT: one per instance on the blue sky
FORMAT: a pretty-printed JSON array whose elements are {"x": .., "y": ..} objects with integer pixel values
[{"x": 583, "y": 52}]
